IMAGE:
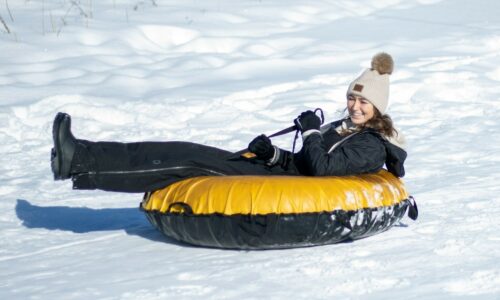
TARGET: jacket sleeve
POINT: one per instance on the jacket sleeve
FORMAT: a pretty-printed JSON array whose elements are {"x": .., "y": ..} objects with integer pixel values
[
  {"x": 363, "y": 153},
  {"x": 281, "y": 158}
]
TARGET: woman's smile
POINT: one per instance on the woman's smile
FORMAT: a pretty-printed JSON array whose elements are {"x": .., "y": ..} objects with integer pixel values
[{"x": 360, "y": 109}]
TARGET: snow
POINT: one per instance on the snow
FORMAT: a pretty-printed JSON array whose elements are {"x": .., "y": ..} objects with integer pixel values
[{"x": 220, "y": 73}]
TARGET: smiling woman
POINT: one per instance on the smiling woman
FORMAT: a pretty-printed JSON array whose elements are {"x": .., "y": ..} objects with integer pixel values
[{"x": 363, "y": 142}]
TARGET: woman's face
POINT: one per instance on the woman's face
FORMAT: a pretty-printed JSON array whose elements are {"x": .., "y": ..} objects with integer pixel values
[{"x": 360, "y": 109}]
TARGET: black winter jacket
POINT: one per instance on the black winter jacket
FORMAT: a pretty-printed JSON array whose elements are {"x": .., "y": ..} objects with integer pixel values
[{"x": 363, "y": 152}]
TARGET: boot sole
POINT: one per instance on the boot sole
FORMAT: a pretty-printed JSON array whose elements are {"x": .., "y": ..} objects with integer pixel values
[{"x": 57, "y": 159}]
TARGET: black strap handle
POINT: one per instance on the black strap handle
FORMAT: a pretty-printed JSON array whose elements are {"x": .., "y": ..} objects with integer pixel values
[
  {"x": 322, "y": 118},
  {"x": 249, "y": 155},
  {"x": 321, "y": 115},
  {"x": 294, "y": 127},
  {"x": 412, "y": 209}
]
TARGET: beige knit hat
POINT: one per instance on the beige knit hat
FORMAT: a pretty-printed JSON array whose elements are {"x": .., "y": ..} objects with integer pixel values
[{"x": 373, "y": 84}]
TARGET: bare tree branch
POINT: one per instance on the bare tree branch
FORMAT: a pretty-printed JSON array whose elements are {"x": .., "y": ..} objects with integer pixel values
[
  {"x": 80, "y": 8},
  {"x": 4, "y": 24},
  {"x": 8, "y": 10}
]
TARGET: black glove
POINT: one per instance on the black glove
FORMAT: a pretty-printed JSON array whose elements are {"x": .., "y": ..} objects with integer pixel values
[
  {"x": 307, "y": 120},
  {"x": 262, "y": 147}
]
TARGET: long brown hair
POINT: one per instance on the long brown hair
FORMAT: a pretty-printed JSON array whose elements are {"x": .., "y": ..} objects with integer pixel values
[{"x": 381, "y": 123}]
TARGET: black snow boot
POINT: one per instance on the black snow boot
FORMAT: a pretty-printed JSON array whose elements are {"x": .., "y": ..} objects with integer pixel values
[{"x": 64, "y": 147}]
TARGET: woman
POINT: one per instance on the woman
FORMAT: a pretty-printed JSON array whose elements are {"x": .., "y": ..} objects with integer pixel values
[{"x": 361, "y": 143}]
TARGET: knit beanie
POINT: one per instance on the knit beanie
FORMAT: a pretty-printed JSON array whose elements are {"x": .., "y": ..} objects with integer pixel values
[{"x": 373, "y": 83}]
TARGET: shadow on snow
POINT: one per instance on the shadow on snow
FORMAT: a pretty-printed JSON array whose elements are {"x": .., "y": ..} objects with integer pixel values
[{"x": 84, "y": 220}]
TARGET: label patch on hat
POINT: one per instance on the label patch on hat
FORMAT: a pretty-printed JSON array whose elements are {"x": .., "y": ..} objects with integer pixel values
[{"x": 358, "y": 87}]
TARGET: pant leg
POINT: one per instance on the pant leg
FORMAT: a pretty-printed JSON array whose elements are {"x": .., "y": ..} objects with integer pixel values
[{"x": 148, "y": 166}]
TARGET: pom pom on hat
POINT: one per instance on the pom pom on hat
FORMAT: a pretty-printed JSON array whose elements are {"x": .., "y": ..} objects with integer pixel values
[
  {"x": 373, "y": 83},
  {"x": 383, "y": 63}
]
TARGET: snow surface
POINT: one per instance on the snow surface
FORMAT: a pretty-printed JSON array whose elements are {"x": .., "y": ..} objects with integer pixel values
[{"x": 219, "y": 73}]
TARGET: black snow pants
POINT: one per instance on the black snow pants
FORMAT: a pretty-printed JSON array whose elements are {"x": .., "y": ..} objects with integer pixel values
[{"x": 148, "y": 166}]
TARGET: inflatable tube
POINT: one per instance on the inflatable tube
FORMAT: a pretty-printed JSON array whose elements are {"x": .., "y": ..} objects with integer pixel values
[{"x": 267, "y": 212}]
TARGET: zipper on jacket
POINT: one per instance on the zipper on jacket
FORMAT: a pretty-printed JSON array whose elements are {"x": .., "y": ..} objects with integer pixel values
[
  {"x": 342, "y": 141},
  {"x": 156, "y": 171}
]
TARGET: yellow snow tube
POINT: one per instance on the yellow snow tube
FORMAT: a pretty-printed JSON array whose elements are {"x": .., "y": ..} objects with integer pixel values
[{"x": 260, "y": 212}]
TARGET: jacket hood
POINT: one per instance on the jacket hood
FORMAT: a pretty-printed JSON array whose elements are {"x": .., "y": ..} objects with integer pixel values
[{"x": 395, "y": 158}]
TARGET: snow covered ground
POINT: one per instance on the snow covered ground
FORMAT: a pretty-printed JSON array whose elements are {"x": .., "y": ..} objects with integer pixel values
[{"x": 220, "y": 73}]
